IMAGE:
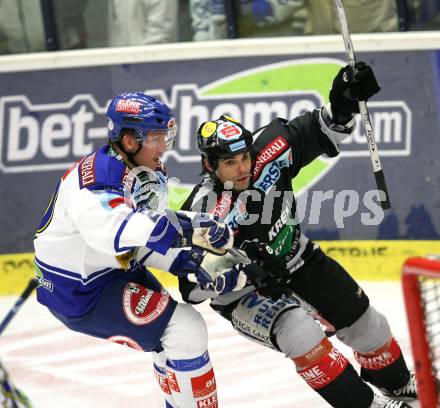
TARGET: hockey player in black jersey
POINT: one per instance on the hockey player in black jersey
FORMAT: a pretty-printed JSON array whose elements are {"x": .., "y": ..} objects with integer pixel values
[{"x": 248, "y": 183}]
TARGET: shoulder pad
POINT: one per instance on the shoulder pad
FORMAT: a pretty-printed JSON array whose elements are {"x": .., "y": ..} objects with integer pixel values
[
  {"x": 99, "y": 169},
  {"x": 270, "y": 145}
]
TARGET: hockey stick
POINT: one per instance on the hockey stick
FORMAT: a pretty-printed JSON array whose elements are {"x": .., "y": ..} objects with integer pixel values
[
  {"x": 29, "y": 289},
  {"x": 372, "y": 146},
  {"x": 239, "y": 256}
]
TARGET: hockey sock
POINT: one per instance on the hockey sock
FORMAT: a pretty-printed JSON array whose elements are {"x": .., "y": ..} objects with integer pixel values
[
  {"x": 161, "y": 376},
  {"x": 384, "y": 367},
  {"x": 192, "y": 382},
  {"x": 330, "y": 374}
]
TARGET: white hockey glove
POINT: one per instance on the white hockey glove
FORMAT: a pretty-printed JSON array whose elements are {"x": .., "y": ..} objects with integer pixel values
[
  {"x": 217, "y": 265},
  {"x": 188, "y": 265},
  {"x": 229, "y": 281},
  {"x": 205, "y": 231},
  {"x": 185, "y": 229},
  {"x": 225, "y": 273},
  {"x": 213, "y": 272}
]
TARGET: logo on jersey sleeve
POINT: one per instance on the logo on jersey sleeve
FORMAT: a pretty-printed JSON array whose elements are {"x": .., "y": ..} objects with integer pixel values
[
  {"x": 110, "y": 201},
  {"x": 87, "y": 171},
  {"x": 272, "y": 151},
  {"x": 272, "y": 172},
  {"x": 143, "y": 305}
]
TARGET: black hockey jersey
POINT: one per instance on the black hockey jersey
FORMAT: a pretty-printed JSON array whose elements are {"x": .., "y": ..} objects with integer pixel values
[{"x": 267, "y": 210}]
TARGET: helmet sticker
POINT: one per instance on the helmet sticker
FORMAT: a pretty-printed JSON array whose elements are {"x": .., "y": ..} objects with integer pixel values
[
  {"x": 208, "y": 129},
  {"x": 110, "y": 125},
  {"x": 128, "y": 106},
  {"x": 229, "y": 131},
  {"x": 241, "y": 144},
  {"x": 150, "y": 114}
]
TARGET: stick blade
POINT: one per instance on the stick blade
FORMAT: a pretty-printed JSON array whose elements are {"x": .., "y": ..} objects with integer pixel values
[{"x": 385, "y": 202}]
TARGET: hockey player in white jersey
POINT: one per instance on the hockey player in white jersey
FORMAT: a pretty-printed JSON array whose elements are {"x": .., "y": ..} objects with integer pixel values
[{"x": 106, "y": 223}]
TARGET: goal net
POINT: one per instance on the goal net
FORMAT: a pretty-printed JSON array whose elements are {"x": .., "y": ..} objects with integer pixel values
[{"x": 421, "y": 288}]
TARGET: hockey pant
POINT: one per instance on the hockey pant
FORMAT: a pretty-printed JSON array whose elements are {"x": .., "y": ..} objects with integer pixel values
[
  {"x": 284, "y": 326},
  {"x": 136, "y": 311}
]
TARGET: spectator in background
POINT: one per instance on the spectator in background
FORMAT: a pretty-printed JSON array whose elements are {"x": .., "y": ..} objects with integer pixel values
[
  {"x": 265, "y": 18},
  {"x": 138, "y": 22},
  {"x": 21, "y": 27},
  {"x": 424, "y": 14},
  {"x": 256, "y": 18},
  {"x": 364, "y": 16},
  {"x": 70, "y": 23}
]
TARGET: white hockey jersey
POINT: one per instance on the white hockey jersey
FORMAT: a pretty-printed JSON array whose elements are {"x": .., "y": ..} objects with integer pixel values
[{"x": 91, "y": 227}]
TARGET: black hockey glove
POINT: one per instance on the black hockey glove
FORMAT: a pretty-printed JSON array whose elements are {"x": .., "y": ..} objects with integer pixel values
[
  {"x": 263, "y": 254},
  {"x": 348, "y": 88},
  {"x": 266, "y": 284},
  {"x": 267, "y": 272}
]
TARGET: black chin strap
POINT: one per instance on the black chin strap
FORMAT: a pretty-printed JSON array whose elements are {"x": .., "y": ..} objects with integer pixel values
[{"x": 130, "y": 156}]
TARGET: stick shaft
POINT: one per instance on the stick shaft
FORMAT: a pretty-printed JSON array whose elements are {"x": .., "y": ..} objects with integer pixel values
[
  {"x": 240, "y": 257},
  {"x": 349, "y": 50},
  {"x": 29, "y": 289},
  {"x": 363, "y": 109}
]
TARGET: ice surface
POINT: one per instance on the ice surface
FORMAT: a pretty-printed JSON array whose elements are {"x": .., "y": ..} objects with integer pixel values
[{"x": 60, "y": 368}]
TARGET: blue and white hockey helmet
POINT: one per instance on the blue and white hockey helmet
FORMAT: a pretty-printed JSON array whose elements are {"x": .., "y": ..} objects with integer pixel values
[{"x": 142, "y": 114}]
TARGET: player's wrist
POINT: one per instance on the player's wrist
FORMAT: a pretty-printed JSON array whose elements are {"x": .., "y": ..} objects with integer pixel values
[{"x": 342, "y": 122}]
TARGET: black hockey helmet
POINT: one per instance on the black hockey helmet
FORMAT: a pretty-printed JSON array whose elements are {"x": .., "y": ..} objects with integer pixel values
[{"x": 222, "y": 138}]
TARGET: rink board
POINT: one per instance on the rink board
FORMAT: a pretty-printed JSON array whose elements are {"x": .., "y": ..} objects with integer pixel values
[
  {"x": 253, "y": 81},
  {"x": 52, "y": 113}
]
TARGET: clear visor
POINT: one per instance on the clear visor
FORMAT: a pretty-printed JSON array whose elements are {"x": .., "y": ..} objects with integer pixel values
[{"x": 163, "y": 139}]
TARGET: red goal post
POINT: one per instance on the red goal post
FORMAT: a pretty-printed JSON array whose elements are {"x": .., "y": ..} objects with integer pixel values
[{"x": 421, "y": 289}]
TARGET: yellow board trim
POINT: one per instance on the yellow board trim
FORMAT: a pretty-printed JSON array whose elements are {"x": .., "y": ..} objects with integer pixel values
[
  {"x": 365, "y": 260},
  {"x": 377, "y": 260}
]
